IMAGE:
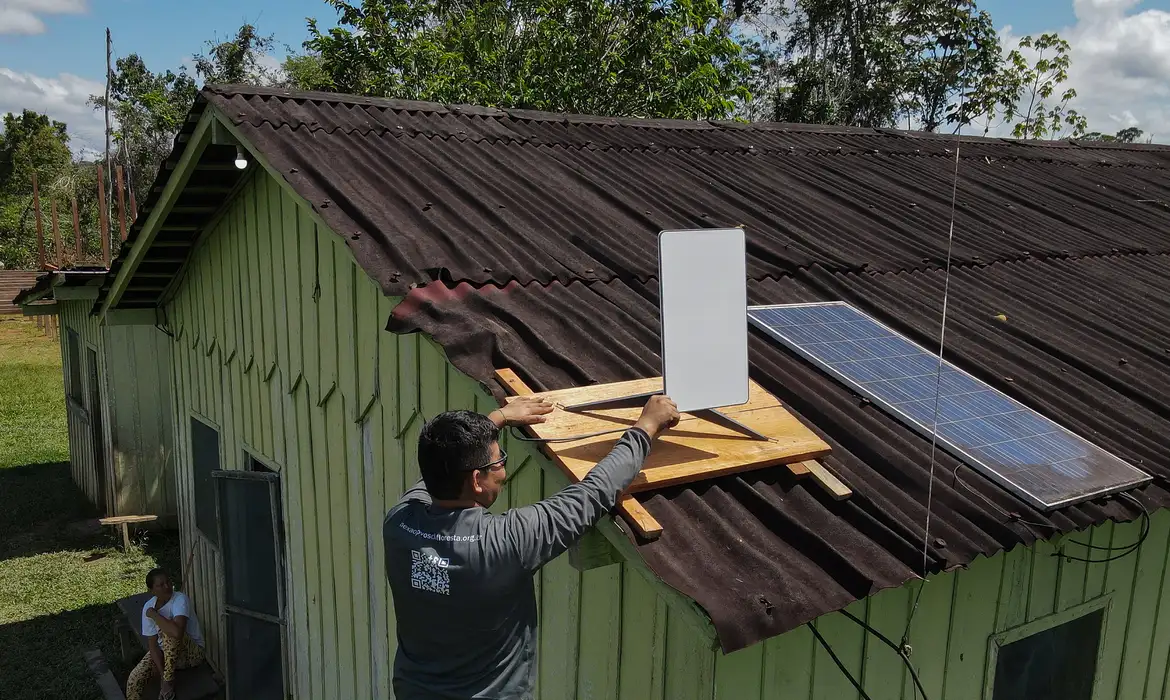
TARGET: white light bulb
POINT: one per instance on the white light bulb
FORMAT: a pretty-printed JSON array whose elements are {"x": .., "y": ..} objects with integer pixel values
[{"x": 241, "y": 161}]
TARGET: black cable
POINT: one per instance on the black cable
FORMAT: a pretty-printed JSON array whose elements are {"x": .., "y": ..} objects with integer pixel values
[
  {"x": 571, "y": 438},
  {"x": 1124, "y": 551},
  {"x": 837, "y": 661},
  {"x": 899, "y": 650}
]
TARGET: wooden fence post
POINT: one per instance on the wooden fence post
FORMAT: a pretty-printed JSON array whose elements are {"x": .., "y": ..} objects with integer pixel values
[
  {"x": 40, "y": 229},
  {"x": 57, "y": 238},
  {"x": 103, "y": 217},
  {"x": 76, "y": 234},
  {"x": 121, "y": 204}
]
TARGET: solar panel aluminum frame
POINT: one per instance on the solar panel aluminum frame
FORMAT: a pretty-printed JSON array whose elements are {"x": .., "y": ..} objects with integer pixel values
[{"x": 926, "y": 431}]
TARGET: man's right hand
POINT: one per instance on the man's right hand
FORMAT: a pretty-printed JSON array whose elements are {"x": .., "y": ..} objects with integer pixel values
[{"x": 659, "y": 415}]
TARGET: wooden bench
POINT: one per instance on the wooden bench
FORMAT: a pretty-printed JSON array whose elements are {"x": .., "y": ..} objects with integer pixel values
[
  {"x": 125, "y": 521},
  {"x": 190, "y": 683}
]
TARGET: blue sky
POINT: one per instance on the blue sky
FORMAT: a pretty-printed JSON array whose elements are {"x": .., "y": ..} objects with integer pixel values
[
  {"x": 52, "y": 52},
  {"x": 163, "y": 32}
]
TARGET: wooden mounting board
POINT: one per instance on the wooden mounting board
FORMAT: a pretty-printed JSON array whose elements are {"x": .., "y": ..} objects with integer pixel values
[
  {"x": 793, "y": 444},
  {"x": 694, "y": 450}
]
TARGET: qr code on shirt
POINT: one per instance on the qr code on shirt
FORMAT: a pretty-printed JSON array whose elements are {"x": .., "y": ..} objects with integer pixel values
[{"x": 428, "y": 572}]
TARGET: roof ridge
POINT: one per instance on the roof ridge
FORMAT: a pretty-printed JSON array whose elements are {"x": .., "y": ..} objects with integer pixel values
[
  {"x": 519, "y": 114},
  {"x": 751, "y": 150}
]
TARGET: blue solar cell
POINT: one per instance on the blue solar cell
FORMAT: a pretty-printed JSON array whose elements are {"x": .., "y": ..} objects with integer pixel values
[{"x": 1018, "y": 448}]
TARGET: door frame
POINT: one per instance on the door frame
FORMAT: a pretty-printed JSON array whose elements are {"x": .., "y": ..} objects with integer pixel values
[{"x": 275, "y": 504}]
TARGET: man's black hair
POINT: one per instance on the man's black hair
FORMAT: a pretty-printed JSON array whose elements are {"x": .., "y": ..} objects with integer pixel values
[
  {"x": 451, "y": 444},
  {"x": 152, "y": 575}
]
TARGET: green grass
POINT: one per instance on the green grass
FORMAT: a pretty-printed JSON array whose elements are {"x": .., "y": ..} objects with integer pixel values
[
  {"x": 32, "y": 396},
  {"x": 60, "y": 572}
]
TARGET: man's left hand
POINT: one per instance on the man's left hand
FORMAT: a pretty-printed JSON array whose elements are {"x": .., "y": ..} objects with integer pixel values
[
  {"x": 151, "y": 613},
  {"x": 526, "y": 410}
]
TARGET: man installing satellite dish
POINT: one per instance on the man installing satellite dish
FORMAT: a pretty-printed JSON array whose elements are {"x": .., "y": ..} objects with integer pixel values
[{"x": 461, "y": 577}]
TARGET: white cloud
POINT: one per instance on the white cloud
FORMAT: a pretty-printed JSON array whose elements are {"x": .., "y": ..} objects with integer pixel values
[
  {"x": 63, "y": 98},
  {"x": 23, "y": 16},
  {"x": 1120, "y": 65}
]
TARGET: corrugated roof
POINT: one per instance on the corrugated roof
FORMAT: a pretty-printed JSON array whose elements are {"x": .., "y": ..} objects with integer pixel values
[{"x": 527, "y": 240}]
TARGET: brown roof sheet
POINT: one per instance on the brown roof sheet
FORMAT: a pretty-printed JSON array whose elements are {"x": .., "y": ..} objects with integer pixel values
[{"x": 527, "y": 240}]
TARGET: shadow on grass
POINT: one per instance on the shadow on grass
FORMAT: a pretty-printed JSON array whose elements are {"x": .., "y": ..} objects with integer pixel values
[
  {"x": 42, "y": 657},
  {"x": 42, "y": 510}
]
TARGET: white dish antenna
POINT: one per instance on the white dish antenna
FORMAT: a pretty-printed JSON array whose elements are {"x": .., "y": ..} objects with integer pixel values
[{"x": 703, "y": 309}]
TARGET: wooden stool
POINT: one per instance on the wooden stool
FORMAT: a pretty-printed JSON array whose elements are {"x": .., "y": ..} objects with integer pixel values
[{"x": 125, "y": 521}]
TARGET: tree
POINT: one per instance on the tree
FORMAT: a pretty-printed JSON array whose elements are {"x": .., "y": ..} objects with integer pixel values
[
  {"x": 148, "y": 109},
  {"x": 31, "y": 142},
  {"x": 882, "y": 62},
  {"x": 1129, "y": 134},
  {"x": 611, "y": 57},
  {"x": 1026, "y": 94},
  {"x": 238, "y": 61}
]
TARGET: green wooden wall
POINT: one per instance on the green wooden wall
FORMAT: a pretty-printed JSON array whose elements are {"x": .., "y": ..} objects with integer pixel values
[
  {"x": 961, "y": 610},
  {"x": 279, "y": 343},
  {"x": 74, "y": 315},
  {"x": 137, "y": 436}
]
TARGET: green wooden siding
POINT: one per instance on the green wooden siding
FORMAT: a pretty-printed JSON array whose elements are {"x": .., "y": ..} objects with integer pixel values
[
  {"x": 279, "y": 343},
  {"x": 134, "y": 384},
  {"x": 74, "y": 315},
  {"x": 960, "y": 612}
]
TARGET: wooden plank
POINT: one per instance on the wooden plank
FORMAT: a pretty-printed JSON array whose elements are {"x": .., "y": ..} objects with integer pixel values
[
  {"x": 634, "y": 512},
  {"x": 694, "y": 450},
  {"x": 121, "y": 203},
  {"x": 57, "y": 249},
  {"x": 119, "y": 519},
  {"x": 1121, "y": 578},
  {"x": 848, "y": 642},
  {"x": 643, "y": 637},
  {"x": 1159, "y": 663},
  {"x": 290, "y": 244},
  {"x": 972, "y": 623},
  {"x": 40, "y": 227},
  {"x": 788, "y": 665},
  {"x": 831, "y": 484},
  {"x": 740, "y": 674},
  {"x": 76, "y": 232},
  {"x": 1143, "y": 611},
  {"x": 885, "y": 674},
  {"x": 310, "y": 338},
  {"x": 1015, "y": 582},
  {"x": 104, "y": 228},
  {"x": 599, "y": 658},
  {"x": 512, "y": 382},
  {"x": 689, "y": 662}
]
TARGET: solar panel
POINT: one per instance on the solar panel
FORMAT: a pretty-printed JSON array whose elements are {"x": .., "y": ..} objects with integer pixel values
[{"x": 1026, "y": 453}]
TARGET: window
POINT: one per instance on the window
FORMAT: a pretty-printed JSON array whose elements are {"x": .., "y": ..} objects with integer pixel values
[
  {"x": 205, "y": 460},
  {"x": 73, "y": 348},
  {"x": 1053, "y": 663}
]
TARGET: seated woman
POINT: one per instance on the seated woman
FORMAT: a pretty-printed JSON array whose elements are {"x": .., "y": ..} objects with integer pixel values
[{"x": 169, "y": 622}]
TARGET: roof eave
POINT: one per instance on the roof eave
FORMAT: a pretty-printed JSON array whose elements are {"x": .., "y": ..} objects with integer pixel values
[{"x": 200, "y": 139}]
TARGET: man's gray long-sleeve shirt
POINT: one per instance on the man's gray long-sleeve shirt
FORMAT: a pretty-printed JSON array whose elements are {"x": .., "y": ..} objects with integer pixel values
[{"x": 462, "y": 581}]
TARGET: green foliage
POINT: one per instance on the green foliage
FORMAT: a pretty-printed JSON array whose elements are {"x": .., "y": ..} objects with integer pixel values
[
  {"x": 880, "y": 63},
  {"x": 31, "y": 142},
  {"x": 148, "y": 109},
  {"x": 1028, "y": 96},
  {"x": 237, "y": 61},
  {"x": 1129, "y": 134},
  {"x": 611, "y": 57}
]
